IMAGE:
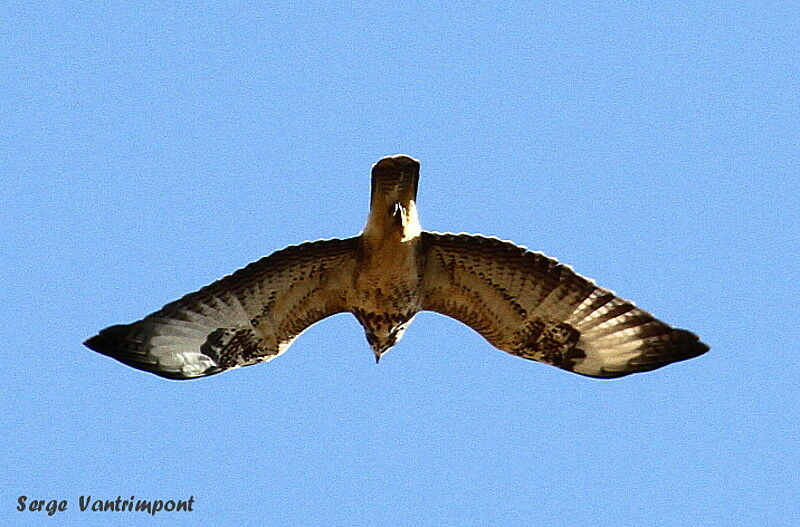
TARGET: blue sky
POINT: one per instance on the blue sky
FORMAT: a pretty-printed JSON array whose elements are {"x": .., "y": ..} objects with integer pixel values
[{"x": 146, "y": 151}]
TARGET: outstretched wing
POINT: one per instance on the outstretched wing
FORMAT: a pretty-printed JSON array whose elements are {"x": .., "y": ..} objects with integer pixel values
[
  {"x": 529, "y": 305},
  {"x": 250, "y": 316}
]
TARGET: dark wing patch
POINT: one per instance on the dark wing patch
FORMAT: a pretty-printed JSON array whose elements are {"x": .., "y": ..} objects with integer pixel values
[
  {"x": 231, "y": 347},
  {"x": 532, "y": 306},
  {"x": 551, "y": 342}
]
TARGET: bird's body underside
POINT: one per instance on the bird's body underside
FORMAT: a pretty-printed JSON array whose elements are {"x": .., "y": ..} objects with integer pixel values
[{"x": 522, "y": 302}]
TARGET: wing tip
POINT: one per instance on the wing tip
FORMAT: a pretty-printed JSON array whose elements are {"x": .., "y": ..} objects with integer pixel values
[
  {"x": 105, "y": 342},
  {"x": 113, "y": 342},
  {"x": 683, "y": 345}
]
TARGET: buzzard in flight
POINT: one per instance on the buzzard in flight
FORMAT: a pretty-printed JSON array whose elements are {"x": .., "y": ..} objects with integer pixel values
[{"x": 522, "y": 302}]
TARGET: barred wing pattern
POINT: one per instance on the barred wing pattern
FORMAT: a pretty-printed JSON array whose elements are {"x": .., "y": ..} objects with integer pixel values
[
  {"x": 531, "y": 306},
  {"x": 250, "y": 316}
]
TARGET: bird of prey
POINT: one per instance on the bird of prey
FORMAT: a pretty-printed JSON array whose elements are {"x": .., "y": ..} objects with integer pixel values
[{"x": 522, "y": 302}]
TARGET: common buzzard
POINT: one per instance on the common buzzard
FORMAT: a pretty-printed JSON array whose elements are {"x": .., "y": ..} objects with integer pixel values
[{"x": 522, "y": 302}]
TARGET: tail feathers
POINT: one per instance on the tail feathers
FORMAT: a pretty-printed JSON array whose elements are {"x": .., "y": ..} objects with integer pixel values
[{"x": 135, "y": 345}]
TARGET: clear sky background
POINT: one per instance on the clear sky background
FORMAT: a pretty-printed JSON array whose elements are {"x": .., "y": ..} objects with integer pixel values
[{"x": 146, "y": 151}]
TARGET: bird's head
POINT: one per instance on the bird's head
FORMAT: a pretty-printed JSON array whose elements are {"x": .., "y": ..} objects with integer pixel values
[{"x": 381, "y": 334}]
